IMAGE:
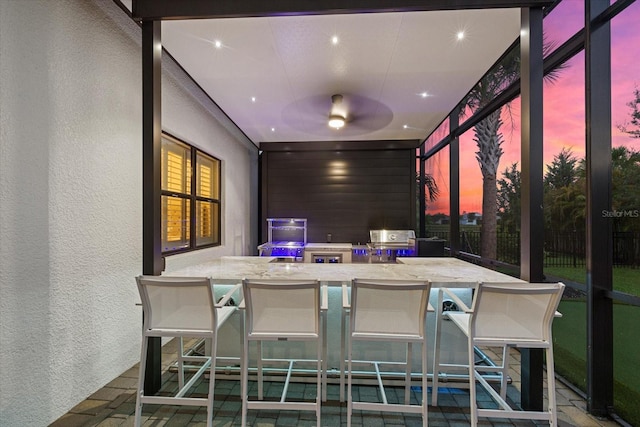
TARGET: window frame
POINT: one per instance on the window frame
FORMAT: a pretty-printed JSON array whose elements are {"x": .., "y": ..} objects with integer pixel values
[{"x": 192, "y": 198}]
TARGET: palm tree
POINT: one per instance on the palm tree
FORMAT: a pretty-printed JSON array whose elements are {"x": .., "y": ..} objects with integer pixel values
[
  {"x": 489, "y": 138},
  {"x": 431, "y": 187},
  {"x": 430, "y": 194}
]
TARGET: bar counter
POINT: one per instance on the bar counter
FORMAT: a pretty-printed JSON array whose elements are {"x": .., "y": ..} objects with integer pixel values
[{"x": 440, "y": 271}]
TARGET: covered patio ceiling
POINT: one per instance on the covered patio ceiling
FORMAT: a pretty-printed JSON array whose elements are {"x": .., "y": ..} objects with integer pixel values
[{"x": 400, "y": 72}]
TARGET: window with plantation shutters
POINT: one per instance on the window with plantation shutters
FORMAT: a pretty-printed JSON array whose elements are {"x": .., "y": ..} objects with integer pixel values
[{"x": 190, "y": 197}]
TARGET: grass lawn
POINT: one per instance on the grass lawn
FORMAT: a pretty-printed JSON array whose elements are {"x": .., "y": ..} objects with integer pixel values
[
  {"x": 569, "y": 333},
  {"x": 624, "y": 279}
]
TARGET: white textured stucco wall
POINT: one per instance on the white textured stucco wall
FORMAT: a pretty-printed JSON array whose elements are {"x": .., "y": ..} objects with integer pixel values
[
  {"x": 191, "y": 122},
  {"x": 70, "y": 198}
]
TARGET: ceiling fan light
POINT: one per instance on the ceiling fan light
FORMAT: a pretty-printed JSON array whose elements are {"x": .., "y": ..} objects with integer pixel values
[{"x": 336, "y": 121}]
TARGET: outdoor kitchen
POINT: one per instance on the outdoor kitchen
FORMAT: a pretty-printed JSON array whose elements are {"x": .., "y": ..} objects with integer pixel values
[{"x": 287, "y": 242}]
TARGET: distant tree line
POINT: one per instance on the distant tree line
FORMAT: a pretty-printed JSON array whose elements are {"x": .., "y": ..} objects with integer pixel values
[
  {"x": 565, "y": 193},
  {"x": 564, "y": 179}
]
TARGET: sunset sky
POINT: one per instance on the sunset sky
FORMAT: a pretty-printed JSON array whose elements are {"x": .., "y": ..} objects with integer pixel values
[{"x": 564, "y": 106}]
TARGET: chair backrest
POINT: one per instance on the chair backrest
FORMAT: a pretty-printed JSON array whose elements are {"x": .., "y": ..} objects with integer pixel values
[
  {"x": 282, "y": 308},
  {"x": 177, "y": 305},
  {"x": 389, "y": 308},
  {"x": 515, "y": 311}
]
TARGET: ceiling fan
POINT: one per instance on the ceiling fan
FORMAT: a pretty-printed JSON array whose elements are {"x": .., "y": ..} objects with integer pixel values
[{"x": 337, "y": 115}]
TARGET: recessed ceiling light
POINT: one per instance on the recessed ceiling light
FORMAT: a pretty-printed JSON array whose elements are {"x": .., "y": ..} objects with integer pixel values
[
  {"x": 460, "y": 35},
  {"x": 405, "y": 126},
  {"x": 335, "y": 40},
  {"x": 424, "y": 94},
  {"x": 217, "y": 44},
  {"x": 253, "y": 99},
  {"x": 273, "y": 129}
]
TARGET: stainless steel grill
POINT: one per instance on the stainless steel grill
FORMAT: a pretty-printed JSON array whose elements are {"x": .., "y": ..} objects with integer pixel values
[
  {"x": 287, "y": 239},
  {"x": 386, "y": 245}
]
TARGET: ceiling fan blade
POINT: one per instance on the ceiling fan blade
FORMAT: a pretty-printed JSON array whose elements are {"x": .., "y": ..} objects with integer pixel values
[{"x": 311, "y": 115}]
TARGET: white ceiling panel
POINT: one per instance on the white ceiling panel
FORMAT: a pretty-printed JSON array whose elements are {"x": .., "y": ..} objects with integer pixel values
[{"x": 382, "y": 63}]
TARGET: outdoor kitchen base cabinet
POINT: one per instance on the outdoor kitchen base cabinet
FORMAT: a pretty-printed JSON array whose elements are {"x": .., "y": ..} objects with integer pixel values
[
  {"x": 328, "y": 253},
  {"x": 326, "y": 259}
]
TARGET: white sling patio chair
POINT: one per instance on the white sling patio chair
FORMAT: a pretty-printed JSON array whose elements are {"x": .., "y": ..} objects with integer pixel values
[
  {"x": 283, "y": 310},
  {"x": 504, "y": 315},
  {"x": 388, "y": 311},
  {"x": 181, "y": 307}
]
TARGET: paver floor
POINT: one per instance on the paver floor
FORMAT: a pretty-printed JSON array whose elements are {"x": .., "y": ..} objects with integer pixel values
[{"x": 114, "y": 405}]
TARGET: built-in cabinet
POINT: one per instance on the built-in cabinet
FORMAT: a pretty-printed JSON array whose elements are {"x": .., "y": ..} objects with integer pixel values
[{"x": 342, "y": 193}]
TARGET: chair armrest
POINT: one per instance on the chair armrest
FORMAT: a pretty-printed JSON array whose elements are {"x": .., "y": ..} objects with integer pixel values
[
  {"x": 324, "y": 304},
  {"x": 455, "y": 298},
  {"x": 223, "y": 301},
  {"x": 346, "y": 304}
]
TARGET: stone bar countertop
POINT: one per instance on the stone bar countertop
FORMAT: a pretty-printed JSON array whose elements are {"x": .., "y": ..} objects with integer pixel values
[{"x": 440, "y": 271}]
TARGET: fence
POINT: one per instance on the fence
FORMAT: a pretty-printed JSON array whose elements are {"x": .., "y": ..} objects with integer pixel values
[{"x": 562, "y": 249}]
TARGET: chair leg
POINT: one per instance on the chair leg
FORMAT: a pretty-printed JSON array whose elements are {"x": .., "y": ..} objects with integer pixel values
[
  {"x": 180, "y": 363},
  {"x": 320, "y": 376},
  {"x": 436, "y": 353},
  {"x": 504, "y": 372},
  {"x": 244, "y": 378},
  {"x": 260, "y": 384},
  {"x": 349, "y": 396},
  {"x": 425, "y": 398},
  {"x": 325, "y": 363},
  {"x": 473, "y": 403},
  {"x": 141, "y": 375},
  {"x": 343, "y": 346},
  {"x": 407, "y": 374},
  {"x": 212, "y": 381},
  {"x": 551, "y": 388}
]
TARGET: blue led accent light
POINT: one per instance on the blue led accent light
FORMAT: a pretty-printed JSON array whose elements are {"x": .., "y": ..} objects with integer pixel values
[
  {"x": 280, "y": 251},
  {"x": 405, "y": 252}
]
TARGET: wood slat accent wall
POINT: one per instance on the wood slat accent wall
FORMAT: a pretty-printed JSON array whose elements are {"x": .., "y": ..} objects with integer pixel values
[{"x": 342, "y": 193}]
